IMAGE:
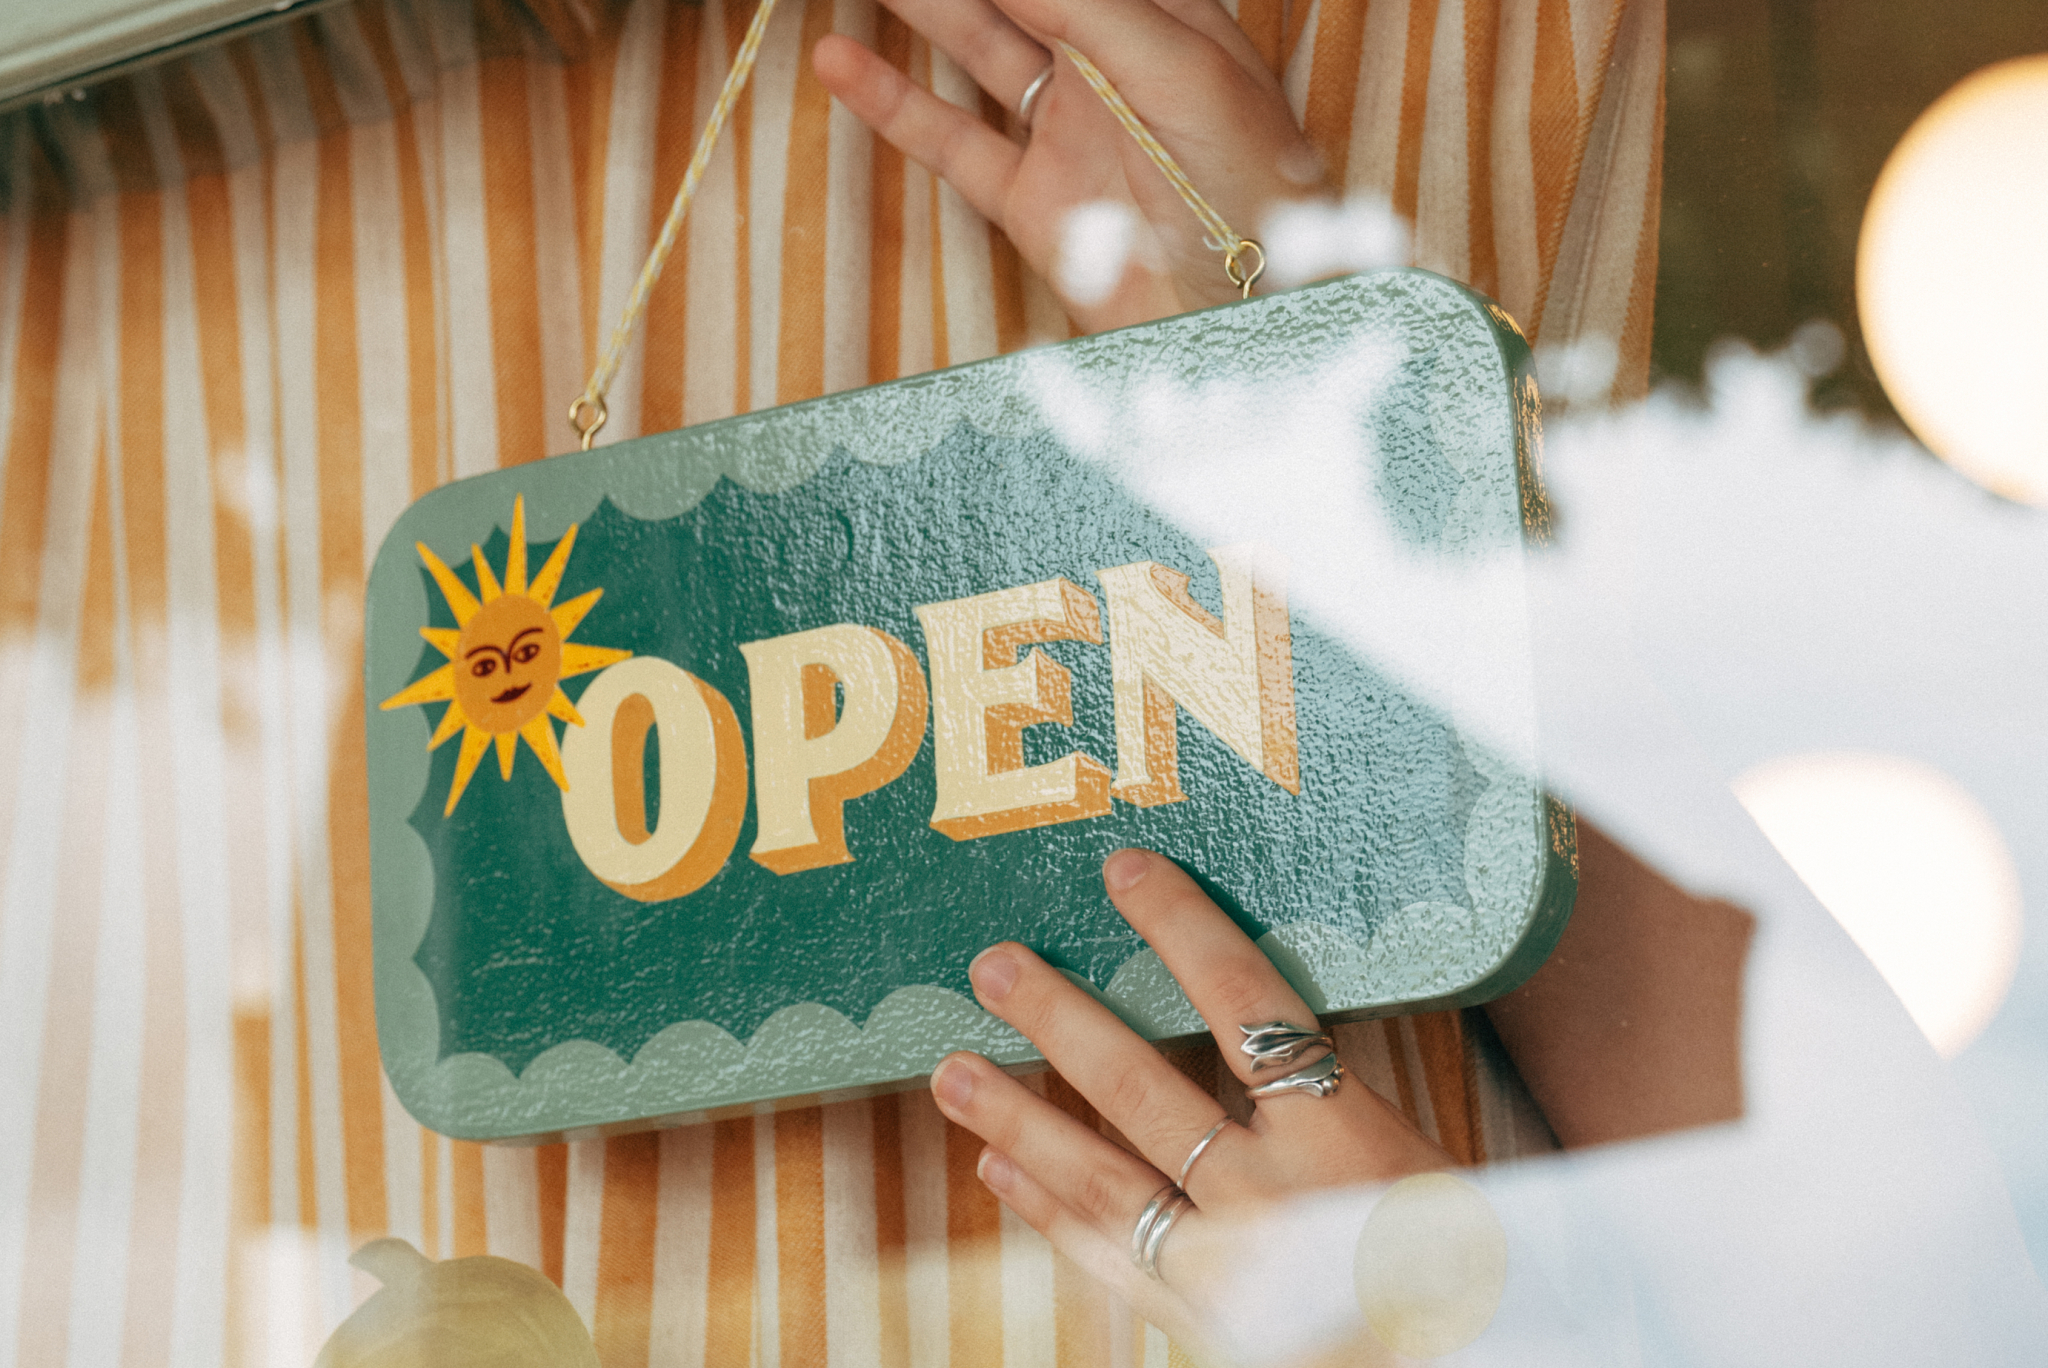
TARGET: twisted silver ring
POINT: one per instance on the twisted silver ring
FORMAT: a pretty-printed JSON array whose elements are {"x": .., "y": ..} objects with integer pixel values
[
  {"x": 1154, "y": 1222},
  {"x": 1319, "y": 1079},
  {"x": 1196, "y": 1152},
  {"x": 1271, "y": 1044},
  {"x": 1031, "y": 94}
]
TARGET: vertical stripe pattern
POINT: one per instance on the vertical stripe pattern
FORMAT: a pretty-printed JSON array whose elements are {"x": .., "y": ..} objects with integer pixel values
[{"x": 256, "y": 300}]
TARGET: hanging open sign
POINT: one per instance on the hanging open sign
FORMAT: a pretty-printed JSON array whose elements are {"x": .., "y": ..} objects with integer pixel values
[{"x": 727, "y": 749}]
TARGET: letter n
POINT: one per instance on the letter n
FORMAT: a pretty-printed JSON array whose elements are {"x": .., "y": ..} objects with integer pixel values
[{"x": 1236, "y": 676}]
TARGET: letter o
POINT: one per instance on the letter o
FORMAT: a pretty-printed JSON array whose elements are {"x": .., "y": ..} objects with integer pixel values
[{"x": 703, "y": 781}]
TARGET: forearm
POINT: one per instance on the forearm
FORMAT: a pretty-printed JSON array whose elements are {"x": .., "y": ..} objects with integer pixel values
[{"x": 1634, "y": 1025}]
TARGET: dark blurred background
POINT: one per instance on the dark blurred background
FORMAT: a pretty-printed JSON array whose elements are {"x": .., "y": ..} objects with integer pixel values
[{"x": 1779, "y": 116}]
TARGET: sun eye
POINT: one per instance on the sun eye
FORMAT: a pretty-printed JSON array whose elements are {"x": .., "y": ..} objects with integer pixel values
[
  {"x": 527, "y": 651},
  {"x": 484, "y": 668}
]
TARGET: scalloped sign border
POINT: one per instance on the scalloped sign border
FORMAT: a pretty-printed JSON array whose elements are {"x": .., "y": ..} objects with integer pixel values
[{"x": 1519, "y": 844}]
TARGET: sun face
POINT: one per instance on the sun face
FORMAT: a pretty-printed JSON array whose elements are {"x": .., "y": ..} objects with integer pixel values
[
  {"x": 506, "y": 655},
  {"x": 506, "y": 660}
]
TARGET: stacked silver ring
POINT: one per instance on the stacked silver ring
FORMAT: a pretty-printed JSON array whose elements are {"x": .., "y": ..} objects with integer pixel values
[{"x": 1154, "y": 1221}]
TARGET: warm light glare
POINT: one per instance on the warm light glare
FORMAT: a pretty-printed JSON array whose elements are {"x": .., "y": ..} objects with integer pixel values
[
  {"x": 1952, "y": 278},
  {"x": 1913, "y": 869}
]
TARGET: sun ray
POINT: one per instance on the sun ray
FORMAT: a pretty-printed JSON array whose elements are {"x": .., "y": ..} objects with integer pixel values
[
  {"x": 560, "y": 706},
  {"x": 475, "y": 742},
  {"x": 427, "y": 689},
  {"x": 452, "y": 721},
  {"x": 485, "y": 580},
  {"x": 541, "y": 737},
  {"x": 506, "y": 658},
  {"x": 461, "y": 602},
  {"x": 515, "y": 559},
  {"x": 569, "y": 614},
  {"x": 542, "y": 590},
  {"x": 579, "y": 659}
]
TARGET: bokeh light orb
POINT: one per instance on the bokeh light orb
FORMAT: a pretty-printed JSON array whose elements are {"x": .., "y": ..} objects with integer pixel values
[
  {"x": 1912, "y": 867},
  {"x": 1952, "y": 278}
]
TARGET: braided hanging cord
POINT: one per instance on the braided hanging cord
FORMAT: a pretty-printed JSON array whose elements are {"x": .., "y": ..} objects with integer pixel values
[
  {"x": 1244, "y": 261},
  {"x": 1222, "y": 237},
  {"x": 587, "y": 414}
]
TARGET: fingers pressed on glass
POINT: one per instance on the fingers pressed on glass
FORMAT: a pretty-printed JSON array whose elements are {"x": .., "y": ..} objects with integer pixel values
[
  {"x": 1159, "y": 1108},
  {"x": 1002, "y": 58},
  {"x": 1102, "y": 1183},
  {"x": 1228, "y": 979},
  {"x": 1105, "y": 1255},
  {"x": 941, "y": 137},
  {"x": 1154, "y": 1105}
]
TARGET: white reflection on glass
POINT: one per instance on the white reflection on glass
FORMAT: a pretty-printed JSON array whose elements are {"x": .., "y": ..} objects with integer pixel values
[
  {"x": 1912, "y": 867},
  {"x": 1734, "y": 577}
]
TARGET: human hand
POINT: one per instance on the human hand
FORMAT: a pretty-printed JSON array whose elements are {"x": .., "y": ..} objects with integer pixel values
[
  {"x": 1187, "y": 70},
  {"x": 1085, "y": 1193}
]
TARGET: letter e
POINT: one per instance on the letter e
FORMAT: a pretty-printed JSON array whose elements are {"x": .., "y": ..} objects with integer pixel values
[{"x": 983, "y": 697}]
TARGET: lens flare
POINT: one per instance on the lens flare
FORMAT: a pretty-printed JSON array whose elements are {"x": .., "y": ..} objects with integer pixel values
[
  {"x": 1914, "y": 870},
  {"x": 1952, "y": 278}
]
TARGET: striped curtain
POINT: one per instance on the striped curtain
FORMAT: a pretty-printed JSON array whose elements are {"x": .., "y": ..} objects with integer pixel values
[{"x": 255, "y": 301}]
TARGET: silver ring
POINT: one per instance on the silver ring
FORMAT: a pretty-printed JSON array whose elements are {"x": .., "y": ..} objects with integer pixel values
[
  {"x": 1031, "y": 94},
  {"x": 1154, "y": 1221},
  {"x": 1196, "y": 1152},
  {"x": 1319, "y": 1079},
  {"x": 1274, "y": 1043},
  {"x": 1145, "y": 1219}
]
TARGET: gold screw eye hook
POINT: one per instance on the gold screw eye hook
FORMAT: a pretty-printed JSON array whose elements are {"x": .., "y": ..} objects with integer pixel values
[
  {"x": 1220, "y": 235},
  {"x": 1241, "y": 276},
  {"x": 597, "y": 416}
]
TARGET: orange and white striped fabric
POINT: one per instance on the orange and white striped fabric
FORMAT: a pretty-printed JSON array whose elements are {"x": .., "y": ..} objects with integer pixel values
[{"x": 255, "y": 301}]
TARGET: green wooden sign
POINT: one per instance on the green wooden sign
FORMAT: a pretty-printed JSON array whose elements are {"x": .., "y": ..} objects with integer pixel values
[{"x": 701, "y": 765}]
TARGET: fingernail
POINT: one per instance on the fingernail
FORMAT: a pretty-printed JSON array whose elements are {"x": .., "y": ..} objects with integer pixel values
[
  {"x": 1125, "y": 868},
  {"x": 953, "y": 1085},
  {"x": 995, "y": 1171},
  {"x": 993, "y": 973}
]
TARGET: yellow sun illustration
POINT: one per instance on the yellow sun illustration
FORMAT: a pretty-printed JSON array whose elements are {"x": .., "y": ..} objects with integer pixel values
[{"x": 506, "y": 654}]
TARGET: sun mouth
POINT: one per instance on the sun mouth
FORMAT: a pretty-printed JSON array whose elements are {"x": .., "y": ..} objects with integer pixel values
[{"x": 511, "y": 693}]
